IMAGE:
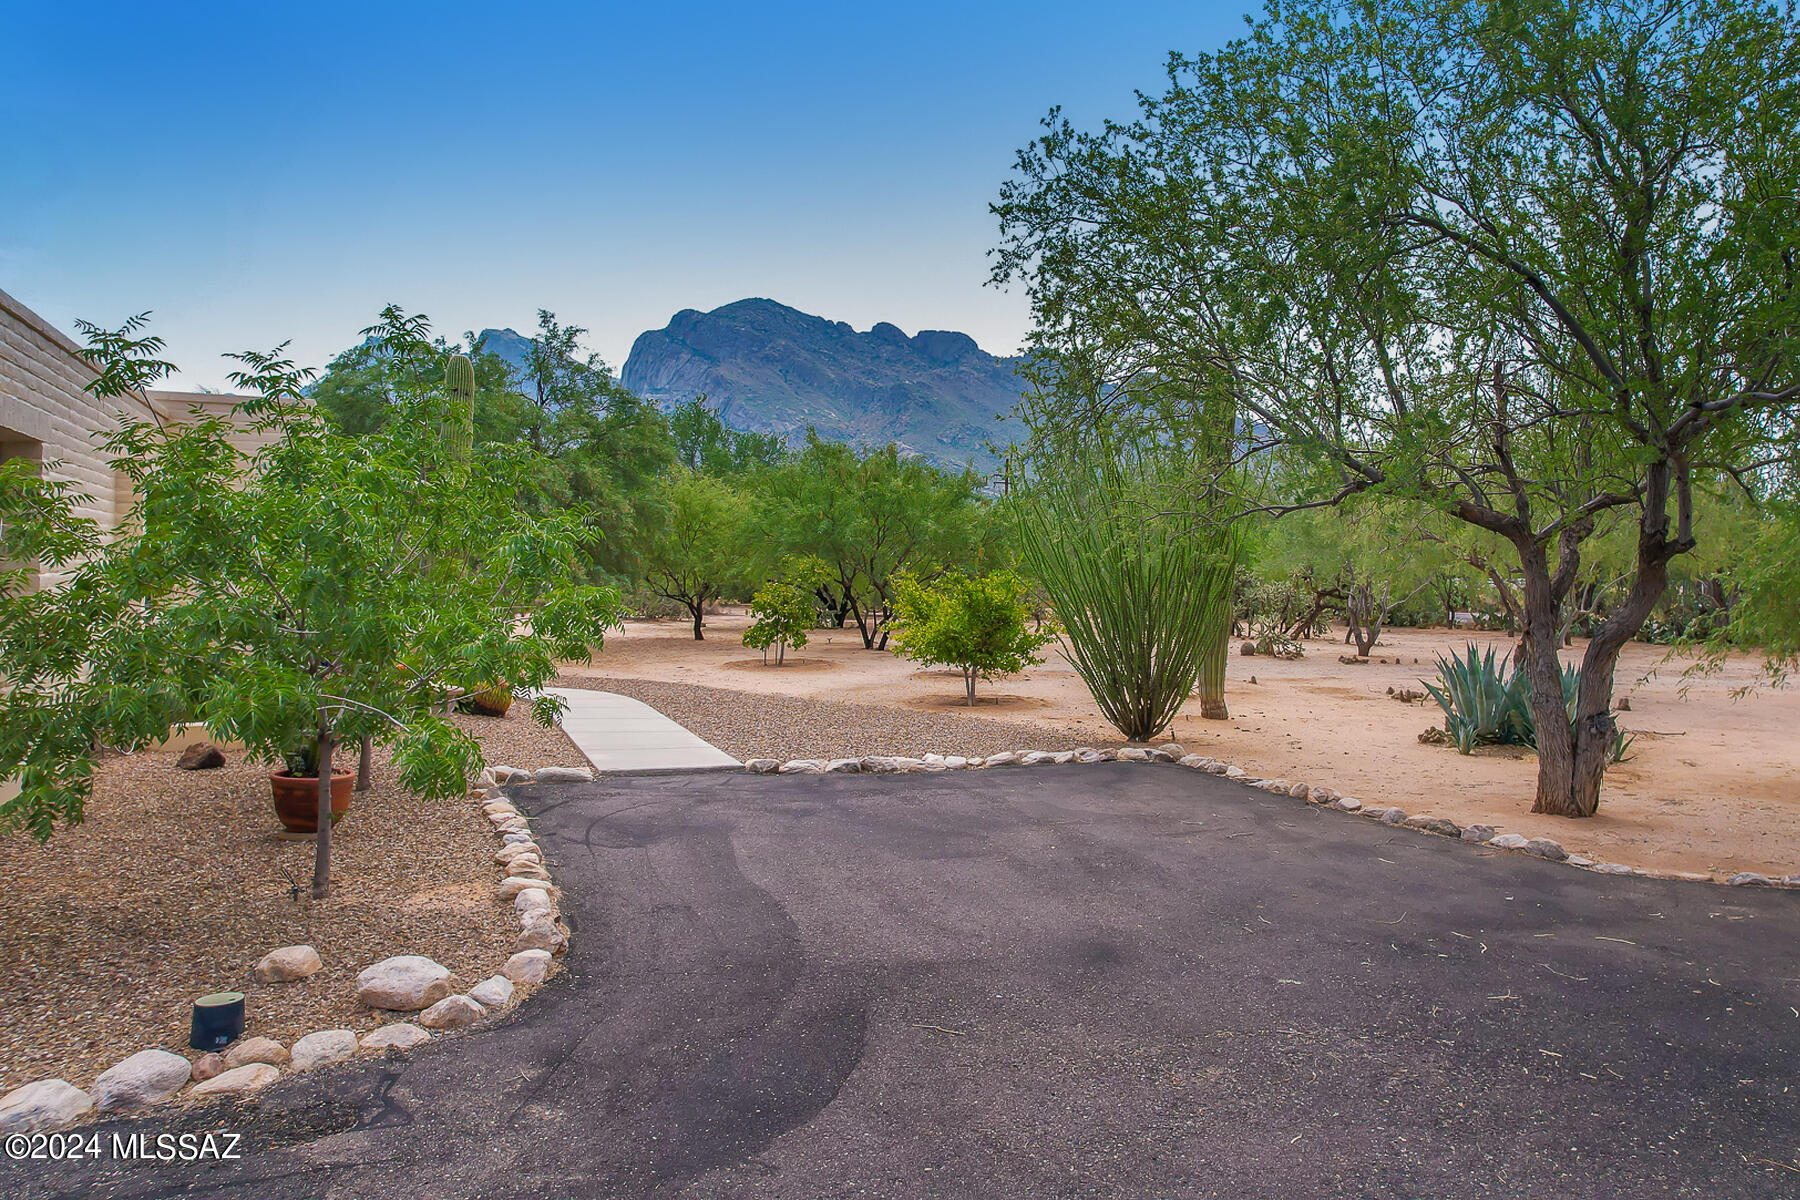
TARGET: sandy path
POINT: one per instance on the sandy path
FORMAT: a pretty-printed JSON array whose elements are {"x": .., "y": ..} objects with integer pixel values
[{"x": 1713, "y": 783}]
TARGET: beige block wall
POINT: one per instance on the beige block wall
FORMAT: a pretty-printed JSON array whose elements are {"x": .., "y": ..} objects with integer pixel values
[
  {"x": 46, "y": 412},
  {"x": 45, "y": 409}
]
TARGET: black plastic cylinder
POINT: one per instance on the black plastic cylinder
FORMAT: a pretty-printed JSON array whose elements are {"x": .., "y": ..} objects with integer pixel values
[{"x": 218, "y": 1021}]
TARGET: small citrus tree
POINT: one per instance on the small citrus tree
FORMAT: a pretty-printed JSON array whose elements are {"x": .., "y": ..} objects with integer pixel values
[{"x": 980, "y": 625}]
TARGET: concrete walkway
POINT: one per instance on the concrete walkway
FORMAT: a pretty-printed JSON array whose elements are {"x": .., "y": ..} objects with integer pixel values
[{"x": 617, "y": 733}]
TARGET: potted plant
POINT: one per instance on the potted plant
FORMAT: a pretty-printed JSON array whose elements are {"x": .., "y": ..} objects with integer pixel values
[{"x": 296, "y": 789}]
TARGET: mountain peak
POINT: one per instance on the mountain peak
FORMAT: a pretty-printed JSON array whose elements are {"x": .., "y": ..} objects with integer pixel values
[{"x": 775, "y": 369}]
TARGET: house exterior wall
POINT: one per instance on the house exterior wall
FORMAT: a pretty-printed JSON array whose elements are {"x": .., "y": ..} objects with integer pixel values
[{"x": 47, "y": 414}]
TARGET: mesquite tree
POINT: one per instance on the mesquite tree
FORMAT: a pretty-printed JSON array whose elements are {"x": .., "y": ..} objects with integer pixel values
[{"x": 1528, "y": 264}]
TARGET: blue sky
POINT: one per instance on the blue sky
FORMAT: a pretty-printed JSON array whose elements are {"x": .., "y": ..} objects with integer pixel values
[{"x": 260, "y": 172}]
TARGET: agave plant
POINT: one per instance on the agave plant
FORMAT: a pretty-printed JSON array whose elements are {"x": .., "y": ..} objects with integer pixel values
[{"x": 1485, "y": 704}]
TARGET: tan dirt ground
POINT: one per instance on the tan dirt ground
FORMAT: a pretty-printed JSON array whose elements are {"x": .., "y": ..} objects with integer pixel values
[
  {"x": 178, "y": 881},
  {"x": 1713, "y": 783}
]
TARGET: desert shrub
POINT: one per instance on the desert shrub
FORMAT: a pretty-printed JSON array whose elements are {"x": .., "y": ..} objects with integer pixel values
[
  {"x": 977, "y": 624},
  {"x": 1269, "y": 638},
  {"x": 1143, "y": 597}
]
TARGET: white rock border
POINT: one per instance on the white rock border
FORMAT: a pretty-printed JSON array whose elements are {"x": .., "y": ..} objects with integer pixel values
[
  {"x": 1324, "y": 797},
  {"x": 49, "y": 1103}
]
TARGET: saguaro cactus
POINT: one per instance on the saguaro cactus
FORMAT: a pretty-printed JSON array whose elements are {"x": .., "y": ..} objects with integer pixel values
[{"x": 459, "y": 381}]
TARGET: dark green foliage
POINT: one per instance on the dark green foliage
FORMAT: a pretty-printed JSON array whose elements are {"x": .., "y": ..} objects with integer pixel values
[
  {"x": 867, "y": 515},
  {"x": 703, "y": 442}
]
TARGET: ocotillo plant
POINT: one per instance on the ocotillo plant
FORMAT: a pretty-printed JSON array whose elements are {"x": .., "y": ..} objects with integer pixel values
[
  {"x": 1137, "y": 589},
  {"x": 459, "y": 382}
]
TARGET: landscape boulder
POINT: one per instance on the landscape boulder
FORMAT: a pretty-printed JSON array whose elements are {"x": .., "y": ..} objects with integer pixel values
[
  {"x": 401, "y": 1035},
  {"x": 533, "y": 900},
  {"x": 763, "y": 766},
  {"x": 844, "y": 766},
  {"x": 405, "y": 982},
  {"x": 452, "y": 1012},
  {"x": 801, "y": 766},
  {"x": 528, "y": 966},
  {"x": 1545, "y": 848},
  {"x": 208, "y": 1065},
  {"x": 1508, "y": 841},
  {"x": 323, "y": 1048},
  {"x": 493, "y": 992},
  {"x": 257, "y": 1050},
  {"x": 511, "y": 886},
  {"x": 286, "y": 964},
  {"x": 1439, "y": 825},
  {"x": 1005, "y": 758},
  {"x": 43, "y": 1106},
  {"x": 1132, "y": 754},
  {"x": 147, "y": 1077},
  {"x": 238, "y": 1080},
  {"x": 1750, "y": 879},
  {"x": 541, "y": 932},
  {"x": 1478, "y": 833},
  {"x": 201, "y": 756}
]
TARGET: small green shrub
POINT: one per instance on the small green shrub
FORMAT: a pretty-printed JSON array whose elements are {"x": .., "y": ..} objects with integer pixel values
[
  {"x": 978, "y": 625},
  {"x": 783, "y": 615}
]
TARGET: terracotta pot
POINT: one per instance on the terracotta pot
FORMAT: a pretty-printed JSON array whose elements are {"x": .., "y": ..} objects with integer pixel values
[{"x": 297, "y": 799}]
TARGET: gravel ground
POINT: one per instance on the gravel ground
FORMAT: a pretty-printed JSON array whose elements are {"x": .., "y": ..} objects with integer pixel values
[
  {"x": 178, "y": 881},
  {"x": 750, "y": 725}
]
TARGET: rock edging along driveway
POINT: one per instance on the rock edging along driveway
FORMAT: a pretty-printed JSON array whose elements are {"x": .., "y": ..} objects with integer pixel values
[
  {"x": 400, "y": 984},
  {"x": 1174, "y": 753}
]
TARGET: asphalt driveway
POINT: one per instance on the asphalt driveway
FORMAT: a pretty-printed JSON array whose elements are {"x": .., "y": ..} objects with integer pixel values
[{"x": 1109, "y": 981}]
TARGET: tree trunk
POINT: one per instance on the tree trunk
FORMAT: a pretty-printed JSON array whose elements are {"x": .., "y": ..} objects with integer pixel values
[
  {"x": 321, "y": 880},
  {"x": 969, "y": 685},
  {"x": 698, "y": 608},
  {"x": 365, "y": 765},
  {"x": 1213, "y": 656},
  {"x": 1537, "y": 655}
]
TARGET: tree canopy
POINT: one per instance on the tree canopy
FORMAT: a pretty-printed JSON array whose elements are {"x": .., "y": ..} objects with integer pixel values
[{"x": 1527, "y": 264}]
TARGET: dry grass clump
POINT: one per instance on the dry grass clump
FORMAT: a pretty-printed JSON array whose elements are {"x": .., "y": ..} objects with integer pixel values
[{"x": 178, "y": 881}]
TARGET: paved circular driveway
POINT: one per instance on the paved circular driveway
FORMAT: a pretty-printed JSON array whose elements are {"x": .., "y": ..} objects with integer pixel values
[{"x": 1109, "y": 981}]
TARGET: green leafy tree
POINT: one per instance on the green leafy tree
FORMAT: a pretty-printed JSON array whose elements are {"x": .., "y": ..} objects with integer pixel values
[
  {"x": 868, "y": 515},
  {"x": 786, "y": 609},
  {"x": 698, "y": 550},
  {"x": 332, "y": 589},
  {"x": 978, "y": 624},
  {"x": 1526, "y": 264},
  {"x": 704, "y": 443},
  {"x": 594, "y": 447}
]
